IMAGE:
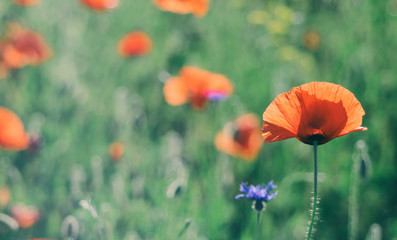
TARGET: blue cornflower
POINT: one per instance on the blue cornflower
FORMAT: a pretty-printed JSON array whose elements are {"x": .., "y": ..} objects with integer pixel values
[
  {"x": 215, "y": 95},
  {"x": 260, "y": 194}
]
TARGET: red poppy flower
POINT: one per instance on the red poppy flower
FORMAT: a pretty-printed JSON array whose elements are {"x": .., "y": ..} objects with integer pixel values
[
  {"x": 198, "y": 7},
  {"x": 317, "y": 111},
  {"x": 26, "y": 216},
  {"x": 12, "y": 132},
  {"x": 197, "y": 86},
  {"x": 101, "y": 5},
  {"x": 116, "y": 150},
  {"x": 26, "y": 3},
  {"x": 241, "y": 138},
  {"x": 22, "y": 47},
  {"x": 135, "y": 44}
]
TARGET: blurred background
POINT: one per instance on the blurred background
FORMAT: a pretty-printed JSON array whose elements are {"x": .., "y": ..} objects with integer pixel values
[{"x": 110, "y": 159}]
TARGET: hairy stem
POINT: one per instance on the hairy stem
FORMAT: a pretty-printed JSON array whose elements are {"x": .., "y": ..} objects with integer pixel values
[
  {"x": 309, "y": 233},
  {"x": 258, "y": 227}
]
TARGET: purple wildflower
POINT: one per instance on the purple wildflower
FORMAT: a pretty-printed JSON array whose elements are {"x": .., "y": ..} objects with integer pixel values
[
  {"x": 260, "y": 194},
  {"x": 215, "y": 95}
]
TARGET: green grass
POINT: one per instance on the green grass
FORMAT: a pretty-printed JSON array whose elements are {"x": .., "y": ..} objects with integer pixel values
[{"x": 72, "y": 99}]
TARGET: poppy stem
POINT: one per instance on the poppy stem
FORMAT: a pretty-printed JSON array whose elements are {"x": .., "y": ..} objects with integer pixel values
[
  {"x": 258, "y": 227},
  {"x": 309, "y": 233}
]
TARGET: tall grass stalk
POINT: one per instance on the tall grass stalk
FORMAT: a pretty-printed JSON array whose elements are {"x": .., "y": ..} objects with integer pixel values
[
  {"x": 183, "y": 230},
  {"x": 353, "y": 201},
  {"x": 360, "y": 173}
]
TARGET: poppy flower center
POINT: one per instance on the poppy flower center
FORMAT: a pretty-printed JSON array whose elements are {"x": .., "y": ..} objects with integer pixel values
[
  {"x": 241, "y": 136},
  {"x": 321, "y": 120},
  {"x": 317, "y": 136}
]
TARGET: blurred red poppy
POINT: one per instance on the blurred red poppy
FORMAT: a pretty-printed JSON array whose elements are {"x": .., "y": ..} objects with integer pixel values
[
  {"x": 5, "y": 196},
  {"x": 116, "y": 150},
  {"x": 196, "y": 86},
  {"x": 197, "y": 7},
  {"x": 26, "y": 3},
  {"x": 311, "y": 40},
  {"x": 12, "y": 132},
  {"x": 135, "y": 44},
  {"x": 21, "y": 47},
  {"x": 101, "y": 5},
  {"x": 26, "y": 216},
  {"x": 317, "y": 111},
  {"x": 241, "y": 138}
]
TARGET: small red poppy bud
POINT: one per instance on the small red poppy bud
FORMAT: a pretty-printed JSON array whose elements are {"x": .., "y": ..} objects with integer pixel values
[{"x": 116, "y": 150}]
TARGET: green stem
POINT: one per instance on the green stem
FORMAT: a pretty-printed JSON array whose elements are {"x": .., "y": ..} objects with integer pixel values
[
  {"x": 183, "y": 230},
  {"x": 258, "y": 227},
  {"x": 309, "y": 233}
]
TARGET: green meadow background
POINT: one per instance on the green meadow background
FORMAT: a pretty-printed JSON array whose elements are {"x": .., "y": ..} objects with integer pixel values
[{"x": 87, "y": 96}]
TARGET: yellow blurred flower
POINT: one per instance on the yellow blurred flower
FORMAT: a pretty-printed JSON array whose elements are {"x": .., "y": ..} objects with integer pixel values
[
  {"x": 237, "y": 3},
  {"x": 287, "y": 53},
  {"x": 306, "y": 61},
  {"x": 277, "y": 27},
  {"x": 258, "y": 17},
  {"x": 284, "y": 13},
  {"x": 277, "y": 19}
]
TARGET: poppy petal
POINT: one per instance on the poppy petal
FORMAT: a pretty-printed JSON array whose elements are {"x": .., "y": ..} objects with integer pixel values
[
  {"x": 281, "y": 118},
  {"x": 198, "y": 7},
  {"x": 273, "y": 133},
  {"x": 135, "y": 44},
  {"x": 240, "y": 138},
  {"x": 354, "y": 130},
  {"x": 26, "y": 216},
  {"x": 22, "y": 46},
  {"x": 175, "y": 91},
  {"x": 197, "y": 86},
  {"x": 220, "y": 83},
  {"x": 101, "y": 5},
  {"x": 331, "y": 108},
  {"x": 26, "y": 3},
  {"x": 201, "y": 82},
  {"x": 12, "y": 132},
  {"x": 196, "y": 79}
]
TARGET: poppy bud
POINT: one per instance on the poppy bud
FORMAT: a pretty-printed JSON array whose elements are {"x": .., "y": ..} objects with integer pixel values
[
  {"x": 135, "y": 44},
  {"x": 26, "y": 216},
  {"x": 116, "y": 150}
]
